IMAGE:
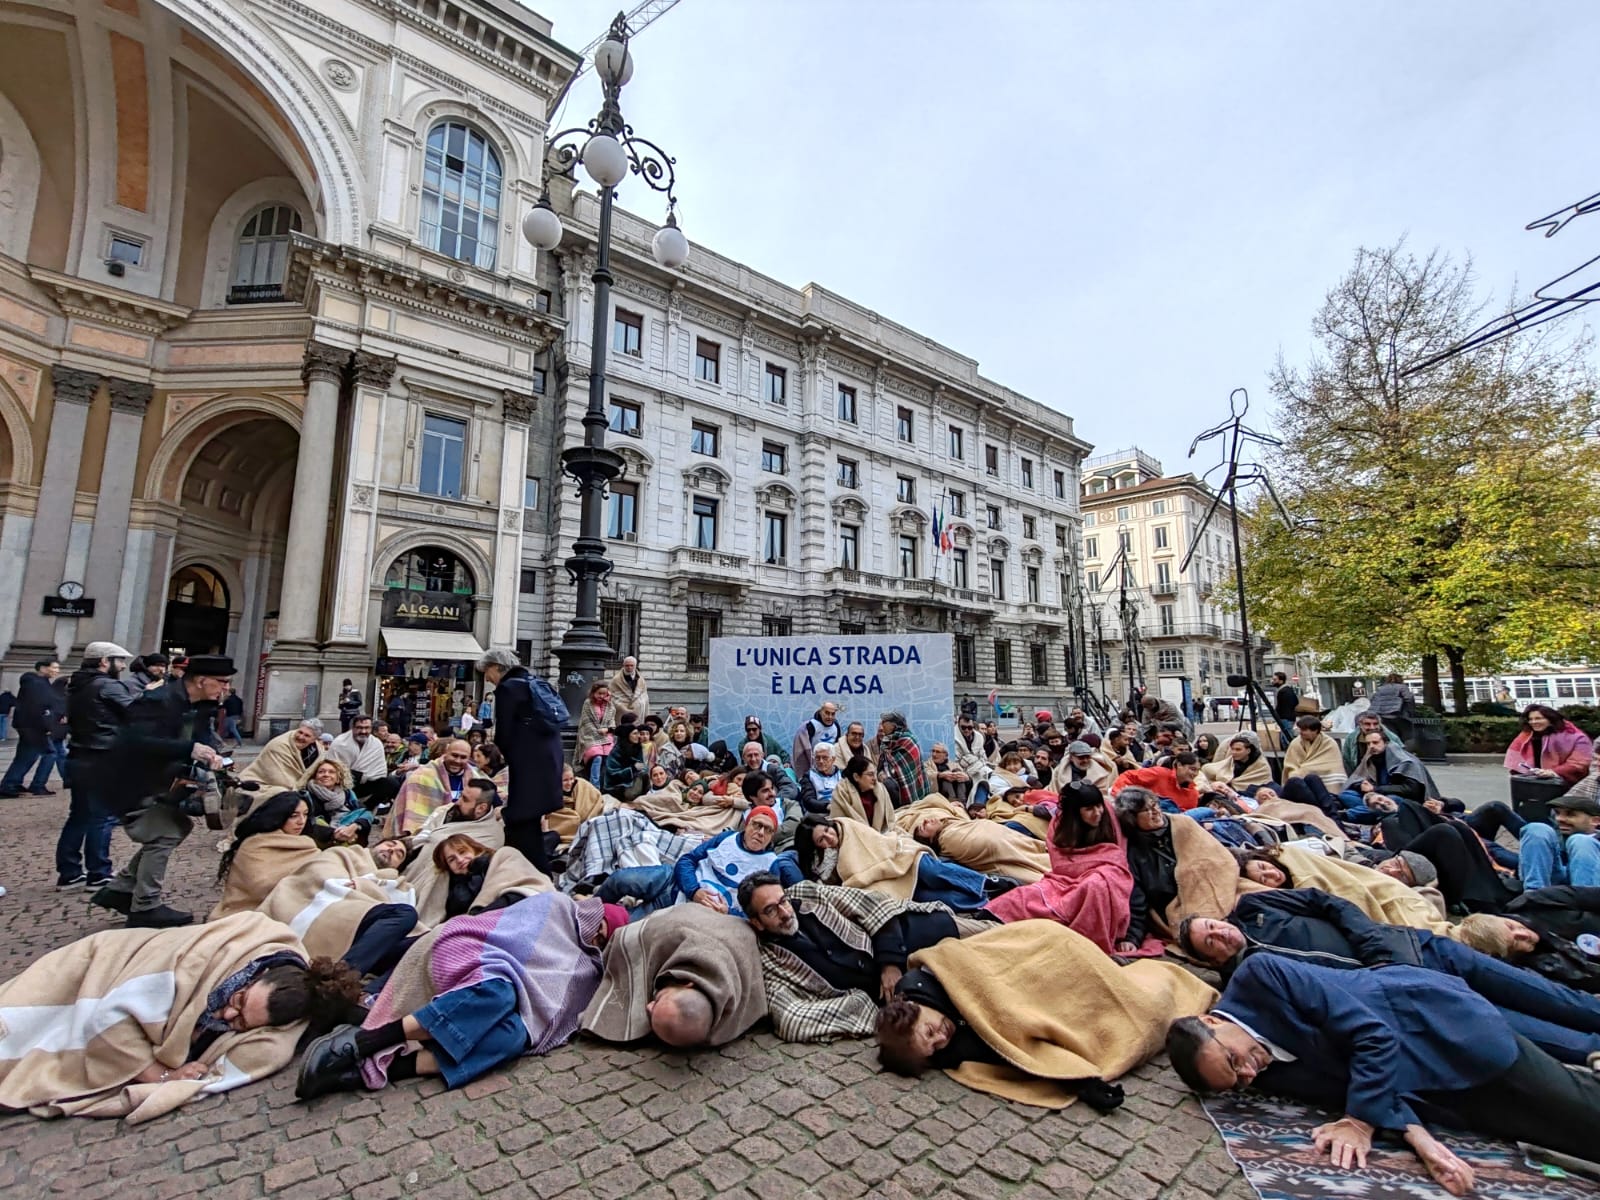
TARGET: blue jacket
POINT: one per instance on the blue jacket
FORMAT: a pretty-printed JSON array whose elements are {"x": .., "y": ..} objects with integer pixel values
[
  {"x": 1364, "y": 1041},
  {"x": 721, "y": 864}
]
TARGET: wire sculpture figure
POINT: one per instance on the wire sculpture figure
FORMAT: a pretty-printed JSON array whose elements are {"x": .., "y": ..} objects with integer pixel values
[{"x": 1237, "y": 471}]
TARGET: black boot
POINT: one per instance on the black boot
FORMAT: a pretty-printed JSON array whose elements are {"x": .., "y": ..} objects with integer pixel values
[
  {"x": 115, "y": 901},
  {"x": 159, "y": 917},
  {"x": 999, "y": 885},
  {"x": 331, "y": 1064}
]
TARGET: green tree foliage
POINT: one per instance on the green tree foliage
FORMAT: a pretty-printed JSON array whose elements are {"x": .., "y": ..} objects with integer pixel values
[{"x": 1449, "y": 512}]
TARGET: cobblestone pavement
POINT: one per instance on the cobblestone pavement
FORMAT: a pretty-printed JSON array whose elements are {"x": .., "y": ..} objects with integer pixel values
[{"x": 758, "y": 1118}]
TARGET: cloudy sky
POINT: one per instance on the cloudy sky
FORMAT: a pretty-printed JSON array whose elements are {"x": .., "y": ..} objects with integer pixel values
[{"x": 1124, "y": 210}]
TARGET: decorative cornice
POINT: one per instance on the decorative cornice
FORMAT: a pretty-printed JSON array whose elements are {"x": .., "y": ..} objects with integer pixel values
[
  {"x": 374, "y": 370},
  {"x": 109, "y": 306},
  {"x": 325, "y": 363},
  {"x": 72, "y": 386},
  {"x": 130, "y": 396},
  {"x": 629, "y": 286},
  {"x": 518, "y": 406},
  {"x": 701, "y": 315}
]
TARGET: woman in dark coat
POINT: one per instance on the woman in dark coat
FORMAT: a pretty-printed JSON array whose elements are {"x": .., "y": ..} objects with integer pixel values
[{"x": 532, "y": 749}]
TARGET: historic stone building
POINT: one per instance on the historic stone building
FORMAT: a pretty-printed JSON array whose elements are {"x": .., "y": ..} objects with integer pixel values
[
  {"x": 270, "y": 346},
  {"x": 787, "y": 450}
]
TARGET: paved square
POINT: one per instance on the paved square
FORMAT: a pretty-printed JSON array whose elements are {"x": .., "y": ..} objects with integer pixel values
[{"x": 758, "y": 1118}]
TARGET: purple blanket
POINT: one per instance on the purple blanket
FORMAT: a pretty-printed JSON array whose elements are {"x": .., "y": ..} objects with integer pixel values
[{"x": 540, "y": 945}]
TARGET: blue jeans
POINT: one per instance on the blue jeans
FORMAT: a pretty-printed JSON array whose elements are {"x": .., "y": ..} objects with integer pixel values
[
  {"x": 949, "y": 883},
  {"x": 651, "y": 886},
  {"x": 5, "y": 725},
  {"x": 31, "y": 748},
  {"x": 230, "y": 730},
  {"x": 474, "y": 1029},
  {"x": 1547, "y": 859},
  {"x": 1489, "y": 819},
  {"x": 381, "y": 938},
  {"x": 85, "y": 842}
]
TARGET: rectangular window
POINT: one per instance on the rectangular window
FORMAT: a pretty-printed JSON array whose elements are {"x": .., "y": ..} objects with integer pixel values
[
  {"x": 541, "y": 303},
  {"x": 777, "y": 626},
  {"x": 997, "y": 578},
  {"x": 444, "y": 445},
  {"x": 847, "y": 404},
  {"x": 850, "y": 547},
  {"x": 1163, "y": 572},
  {"x": 525, "y": 650},
  {"x": 958, "y": 504},
  {"x": 1002, "y": 661},
  {"x": 705, "y": 523},
  {"x": 540, "y": 381},
  {"x": 1169, "y": 660},
  {"x": 1030, "y": 528},
  {"x": 958, "y": 449},
  {"x": 1039, "y": 666},
  {"x": 1102, "y": 663},
  {"x": 966, "y": 658},
  {"x": 775, "y": 539},
  {"x": 777, "y": 385},
  {"x": 1161, "y": 537},
  {"x": 530, "y": 492},
  {"x": 703, "y": 438},
  {"x": 528, "y": 583},
  {"x": 853, "y": 628},
  {"x": 1061, "y": 537},
  {"x": 1061, "y": 485},
  {"x": 1033, "y": 585},
  {"x": 1157, "y": 507},
  {"x": 626, "y": 418},
  {"x": 1027, "y": 472},
  {"x": 1091, "y": 547},
  {"x": 992, "y": 515},
  {"x": 849, "y": 473},
  {"x": 905, "y": 489},
  {"x": 959, "y": 558},
  {"x": 908, "y": 557},
  {"x": 775, "y": 457},
  {"x": 1094, "y": 582},
  {"x": 126, "y": 250},
  {"x": 627, "y": 334},
  {"x": 1123, "y": 512},
  {"x": 1125, "y": 540},
  {"x": 904, "y": 428},
  {"x": 622, "y": 511},
  {"x": 619, "y": 621},
  {"x": 707, "y": 360},
  {"x": 704, "y": 624},
  {"x": 991, "y": 461},
  {"x": 1169, "y": 624},
  {"x": 1088, "y": 520}
]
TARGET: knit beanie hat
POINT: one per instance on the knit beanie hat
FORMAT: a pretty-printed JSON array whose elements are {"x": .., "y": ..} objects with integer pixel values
[
  {"x": 1421, "y": 869},
  {"x": 763, "y": 810}
]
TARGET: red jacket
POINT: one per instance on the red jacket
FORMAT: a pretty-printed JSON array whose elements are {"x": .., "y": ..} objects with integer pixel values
[{"x": 1163, "y": 781}]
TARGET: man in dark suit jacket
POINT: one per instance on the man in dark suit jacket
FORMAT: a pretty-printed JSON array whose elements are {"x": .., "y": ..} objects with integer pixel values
[
  {"x": 1322, "y": 930},
  {"x": 1379, "y": 1045}
]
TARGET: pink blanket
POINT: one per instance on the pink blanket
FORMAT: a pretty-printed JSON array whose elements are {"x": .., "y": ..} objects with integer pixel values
[{"x": 1086, "y": 890}]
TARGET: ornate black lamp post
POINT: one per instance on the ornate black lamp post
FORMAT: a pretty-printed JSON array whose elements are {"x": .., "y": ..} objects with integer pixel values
[{"x": 609, "y": 150}]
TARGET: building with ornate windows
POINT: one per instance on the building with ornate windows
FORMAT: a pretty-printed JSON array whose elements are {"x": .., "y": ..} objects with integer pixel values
[
  {"x": 787, "y": 452},
  {"x": 279, "y": 378},
  {"x": 270, "y": 354}
]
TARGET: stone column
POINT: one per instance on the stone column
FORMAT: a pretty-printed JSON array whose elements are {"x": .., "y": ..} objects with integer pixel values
[
  {"x": 73, "y": 391},
  {"x": 108, "y": 541},
  {"x": 298, "y": 616},
  {"x": 353, "y": 572},
  {"x": 518, "y": 409}
]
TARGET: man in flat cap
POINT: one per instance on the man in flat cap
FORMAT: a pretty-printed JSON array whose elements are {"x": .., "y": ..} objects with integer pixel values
[{"x": 161, "y": 737}]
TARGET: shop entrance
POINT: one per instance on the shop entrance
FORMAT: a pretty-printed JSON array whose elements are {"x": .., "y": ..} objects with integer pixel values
[
  {"x": 196, "y": 619},
  {"x": 425, "y": 672}
]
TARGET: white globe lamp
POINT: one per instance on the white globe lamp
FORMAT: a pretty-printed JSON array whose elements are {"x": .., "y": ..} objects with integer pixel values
[
  {"x": 670, "y": 247},
  {"x": 541, "y": 226},
  {"x": 613, "y": 63},
  {"x": 605, "y": 160}
]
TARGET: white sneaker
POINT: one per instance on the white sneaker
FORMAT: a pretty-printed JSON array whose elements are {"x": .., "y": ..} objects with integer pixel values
[{"x": 2, "y": 891}]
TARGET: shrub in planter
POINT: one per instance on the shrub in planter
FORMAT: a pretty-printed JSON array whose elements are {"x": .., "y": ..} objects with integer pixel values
[{"x": 1480, "y": 735}]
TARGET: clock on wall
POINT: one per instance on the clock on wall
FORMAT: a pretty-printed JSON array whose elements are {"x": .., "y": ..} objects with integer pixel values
[{"x": 71, "y": 589}]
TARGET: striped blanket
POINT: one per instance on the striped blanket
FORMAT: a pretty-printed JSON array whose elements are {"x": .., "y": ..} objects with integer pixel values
[
  {"x": 542, "y": 946},
  {"x": 623, "y": 839}
]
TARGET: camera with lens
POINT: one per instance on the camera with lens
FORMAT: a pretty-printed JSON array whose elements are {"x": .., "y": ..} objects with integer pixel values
[{"x": 214, "y": 795}]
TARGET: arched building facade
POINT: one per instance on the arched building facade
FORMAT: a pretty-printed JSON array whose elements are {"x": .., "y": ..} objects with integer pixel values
[{"x": 267, "y": 330}]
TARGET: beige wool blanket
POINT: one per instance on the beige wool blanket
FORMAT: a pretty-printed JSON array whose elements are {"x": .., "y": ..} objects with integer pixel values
[
  {"x": 1383, "y": 899},
  {"x": 510, "y": 874},
  {"x": 81, "y": 1022},
  {"x": 1108, "y": 1020},
  {"x": 1002, "y": 809},
  {"x": 1321, "y": 758},
  {"x": 278, "y": 767},
  {"x": 1208, "y": 877},
  {"x": 689, "y": 943},
  {"x": 432, "y": 885},
  {"x": 585, "y": 802},
  {"x": 668, "y": 810},
  {"x": 985, "y": 846},
  {"x": 323, "y": 903},
  {"x": 879, "y": 862},
  {"x": 259, "y": 865},
  {"x": 846, "y": 804}
]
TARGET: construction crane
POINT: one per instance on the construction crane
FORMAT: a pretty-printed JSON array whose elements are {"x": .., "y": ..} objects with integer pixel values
[{"x": 642, "y": 16}]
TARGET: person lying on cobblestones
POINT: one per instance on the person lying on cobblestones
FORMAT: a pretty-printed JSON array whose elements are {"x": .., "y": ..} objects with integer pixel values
[
  {"x": 707, "y": 875},
  {"x": 481, "y": 879},
  {"x": 1535, "y": 943},
  {"x": 830, "y": 955},
  {"x": 350, "y": 904},
  {"x": 988, "y": 847},
  {"x": 618, "y": 839},
  {"x": 974, "y": 1007},
  {"x": 135, "y": 1022},
  {"x": 273, "y": 841},
  {"x": 851, "y": 854},
  {"x": 469, "y": 996}
]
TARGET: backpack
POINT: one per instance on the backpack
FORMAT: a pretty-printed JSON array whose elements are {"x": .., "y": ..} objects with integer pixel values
[{"x": 549, "y": 711}]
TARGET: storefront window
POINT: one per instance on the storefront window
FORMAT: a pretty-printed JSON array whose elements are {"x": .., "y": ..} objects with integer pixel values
[{"x": 430, "y": 569}]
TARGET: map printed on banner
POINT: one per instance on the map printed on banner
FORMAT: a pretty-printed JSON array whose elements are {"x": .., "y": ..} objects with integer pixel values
[{"x": 784, "y": 680}]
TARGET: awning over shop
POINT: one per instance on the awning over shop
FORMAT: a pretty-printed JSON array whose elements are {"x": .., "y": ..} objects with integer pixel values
[{"x": 429, "y": 643}]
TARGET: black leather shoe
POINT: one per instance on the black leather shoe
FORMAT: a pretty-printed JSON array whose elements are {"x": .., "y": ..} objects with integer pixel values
[
  {"x": 117, "y": 902},
  {"x": 999, "y": 885},
  {"x": 331, "y": 1064},
  {"x": 159, "y": 917}
]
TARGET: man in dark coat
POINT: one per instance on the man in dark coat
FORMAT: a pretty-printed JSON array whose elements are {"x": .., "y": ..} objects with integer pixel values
[
  {"x": 34, "y": 721},
  {"x": 532, "y": 749},
  {"x": 1389, "y": 1048}
]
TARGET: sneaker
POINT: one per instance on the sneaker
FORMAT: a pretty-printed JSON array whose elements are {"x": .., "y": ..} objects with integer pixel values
[
  {"x": 41, "y": 792},
  {"x": 100, "y": 881},
  {"x": 159, "y": 917},
  {"x": 117, "y": 902},
  {"x": 67, "y": 885}
]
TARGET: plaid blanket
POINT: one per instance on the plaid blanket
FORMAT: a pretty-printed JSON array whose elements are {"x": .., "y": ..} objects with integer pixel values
[
  {"x": 900, "y": 760},
  {"x": 623, "y": 838}
]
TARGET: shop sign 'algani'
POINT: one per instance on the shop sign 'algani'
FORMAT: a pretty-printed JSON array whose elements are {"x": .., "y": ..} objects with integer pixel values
[{"x": 403, "y": 609}]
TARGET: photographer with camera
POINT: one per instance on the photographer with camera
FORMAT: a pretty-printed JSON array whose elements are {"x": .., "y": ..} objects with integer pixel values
[{"x": 159, "y": 782}]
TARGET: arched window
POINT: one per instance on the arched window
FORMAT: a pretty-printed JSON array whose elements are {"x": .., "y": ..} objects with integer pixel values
[
  {"x": 461, "y": 195},
  {"x": 200, "y": 586},
  {"x": 430, "y": 569},
  {"x": 261, "y": 256}
]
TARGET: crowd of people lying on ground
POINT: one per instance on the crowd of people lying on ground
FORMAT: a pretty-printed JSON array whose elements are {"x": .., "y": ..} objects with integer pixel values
[{"x": 1380, "y": 951}]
